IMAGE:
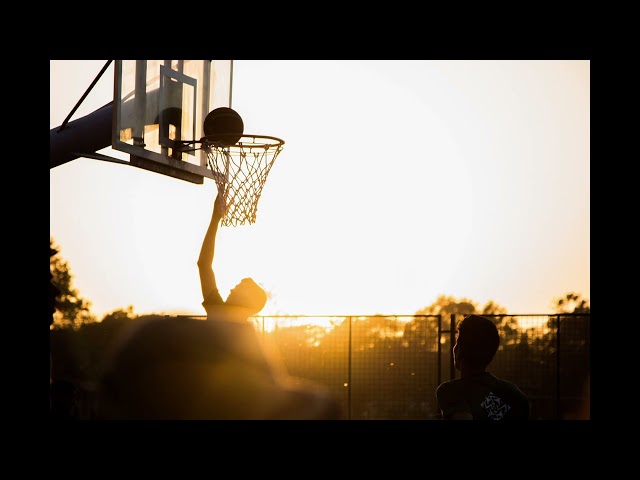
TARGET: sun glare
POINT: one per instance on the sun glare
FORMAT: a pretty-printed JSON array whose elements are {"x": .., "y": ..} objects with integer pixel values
[{"x": 398, "y": 180}]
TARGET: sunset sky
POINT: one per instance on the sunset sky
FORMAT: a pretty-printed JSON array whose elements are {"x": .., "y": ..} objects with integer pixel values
[{"x": 399, "y": 181}]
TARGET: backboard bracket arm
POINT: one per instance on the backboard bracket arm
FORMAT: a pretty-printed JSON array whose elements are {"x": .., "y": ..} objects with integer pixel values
[
  {"x": 93, "y": 84},
  {"x": 101, "y": 157}
]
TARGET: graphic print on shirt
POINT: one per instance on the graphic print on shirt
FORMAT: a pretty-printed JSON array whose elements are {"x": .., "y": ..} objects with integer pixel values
[{"x": 494, "y": 406}]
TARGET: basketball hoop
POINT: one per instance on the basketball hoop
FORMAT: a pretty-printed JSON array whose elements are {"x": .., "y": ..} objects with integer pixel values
[{"x": 241, "y": 170}]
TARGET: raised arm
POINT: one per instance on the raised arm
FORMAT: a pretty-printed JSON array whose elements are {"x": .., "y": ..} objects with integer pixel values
[{"x": 205, "y": 260}]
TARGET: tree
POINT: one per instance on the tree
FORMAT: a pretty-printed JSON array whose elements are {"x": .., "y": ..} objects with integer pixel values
[
  {"x": 571, "y": 303},
  {"x": 445, "y": 305},
  {"x": 426, "y": 331},
  {"x": 73, "y": 310},
  {"x": 120, "y": 315},
  {"x": 492, "y": 308}
]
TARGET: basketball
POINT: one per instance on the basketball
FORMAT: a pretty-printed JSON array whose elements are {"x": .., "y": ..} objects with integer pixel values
[{"x": 223, "y": 126}]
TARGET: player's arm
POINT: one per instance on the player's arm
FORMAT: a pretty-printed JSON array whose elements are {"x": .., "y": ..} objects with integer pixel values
[{"x": 205, "y": 260}]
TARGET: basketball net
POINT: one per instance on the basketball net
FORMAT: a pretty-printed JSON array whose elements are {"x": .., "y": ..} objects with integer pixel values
[{"x": 241, "y": 171}]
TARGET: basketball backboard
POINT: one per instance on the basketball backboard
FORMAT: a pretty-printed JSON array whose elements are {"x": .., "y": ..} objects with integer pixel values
[{"x": 159, "y": 102}]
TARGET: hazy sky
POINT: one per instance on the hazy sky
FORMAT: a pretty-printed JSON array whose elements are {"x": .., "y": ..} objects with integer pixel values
[{"x": 399, "y": 181}]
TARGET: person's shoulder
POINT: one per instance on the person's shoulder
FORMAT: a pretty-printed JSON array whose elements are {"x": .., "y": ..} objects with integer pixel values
[
  {"x": 447, "y": 386},
  {"x": 454, "y": 382},
  {"x": 516, "y": 397}
]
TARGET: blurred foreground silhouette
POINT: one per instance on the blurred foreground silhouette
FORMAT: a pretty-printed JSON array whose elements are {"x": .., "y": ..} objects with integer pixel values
[{"x": 169, "y": 368}]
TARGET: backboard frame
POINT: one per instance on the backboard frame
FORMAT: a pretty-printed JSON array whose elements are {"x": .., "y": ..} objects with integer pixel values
[{"x": 157, "y": 102}]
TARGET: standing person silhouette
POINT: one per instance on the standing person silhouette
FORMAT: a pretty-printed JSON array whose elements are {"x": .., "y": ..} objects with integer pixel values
[
  {"x": 478, "y": 394},
  {"x": 245, "y": 299}
]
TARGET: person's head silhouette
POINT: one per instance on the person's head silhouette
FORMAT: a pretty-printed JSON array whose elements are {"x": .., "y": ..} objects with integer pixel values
[
  {"x": 476, "y": 345},
  {"x": 246, "y": 299}
]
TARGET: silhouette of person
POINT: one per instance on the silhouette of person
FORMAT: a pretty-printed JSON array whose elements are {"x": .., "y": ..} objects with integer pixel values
[
  {"x": 478, "y": 394},
  {"x": 183, "y": 368},
  {"x": 245, "y": 299}
]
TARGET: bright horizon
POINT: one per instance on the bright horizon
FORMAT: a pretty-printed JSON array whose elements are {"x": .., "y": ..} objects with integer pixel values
[{"x": 399, "y": 181}]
